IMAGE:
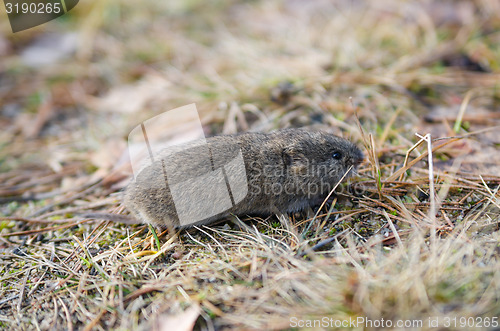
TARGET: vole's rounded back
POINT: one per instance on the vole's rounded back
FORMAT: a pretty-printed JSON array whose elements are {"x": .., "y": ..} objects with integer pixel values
[{"x": 251, "y": 173}]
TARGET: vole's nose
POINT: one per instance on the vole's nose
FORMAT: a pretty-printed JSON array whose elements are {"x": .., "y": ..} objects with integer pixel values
[{"x": 357, "y": 158}]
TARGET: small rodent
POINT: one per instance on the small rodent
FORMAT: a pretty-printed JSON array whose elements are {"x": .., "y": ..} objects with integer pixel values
[{"x": 249, "y": 173}]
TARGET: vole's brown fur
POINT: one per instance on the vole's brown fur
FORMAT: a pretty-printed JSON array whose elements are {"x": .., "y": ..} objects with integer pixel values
[{"x": 286, "y": 171}]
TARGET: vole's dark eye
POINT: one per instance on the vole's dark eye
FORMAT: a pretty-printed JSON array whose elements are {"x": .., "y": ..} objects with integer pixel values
[{"x": 337, "y": 155}]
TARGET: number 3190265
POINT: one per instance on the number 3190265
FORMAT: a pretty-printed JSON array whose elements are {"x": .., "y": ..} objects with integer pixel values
[
  {"x": 471, "y": 322},
  {"x": 33, "y": 8}
]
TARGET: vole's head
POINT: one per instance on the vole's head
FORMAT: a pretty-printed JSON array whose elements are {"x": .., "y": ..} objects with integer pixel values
[{"x": 320, "y": 157}]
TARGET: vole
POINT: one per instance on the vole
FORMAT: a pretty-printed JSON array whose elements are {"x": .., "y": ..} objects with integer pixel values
[{"x": 249, "y": 173}]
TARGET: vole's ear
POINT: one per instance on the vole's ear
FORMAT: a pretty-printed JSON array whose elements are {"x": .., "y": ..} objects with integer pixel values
[{"x": 292, "y": 157}]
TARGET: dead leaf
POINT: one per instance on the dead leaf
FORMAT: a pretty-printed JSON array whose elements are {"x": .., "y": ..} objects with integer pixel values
[
  {"x": 133, "y": 97},
  {"x": 183, "y": 322}
]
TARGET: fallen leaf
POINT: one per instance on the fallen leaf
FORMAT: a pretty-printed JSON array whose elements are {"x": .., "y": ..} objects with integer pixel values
[
  {"x": 133, "y": 98},
  {"x": 182, "y": 322}
]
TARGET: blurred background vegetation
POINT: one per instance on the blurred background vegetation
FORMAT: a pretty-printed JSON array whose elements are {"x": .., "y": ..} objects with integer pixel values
[{"x": 72, "y": 89}]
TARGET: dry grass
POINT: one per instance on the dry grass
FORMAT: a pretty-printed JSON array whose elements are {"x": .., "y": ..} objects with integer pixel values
[{"x": 375, "y": 251}]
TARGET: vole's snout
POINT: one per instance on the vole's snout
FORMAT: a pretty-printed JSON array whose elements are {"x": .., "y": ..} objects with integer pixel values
[{"x": 356, "y": 158}]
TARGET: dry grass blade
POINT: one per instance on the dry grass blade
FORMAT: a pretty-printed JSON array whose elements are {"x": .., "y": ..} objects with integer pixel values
[
  {"x": 432, "y": 191},
  {"x": 463, "y": 108},
  {"x": 325, "y": 200},
  {"x": 402, "y": 170}
]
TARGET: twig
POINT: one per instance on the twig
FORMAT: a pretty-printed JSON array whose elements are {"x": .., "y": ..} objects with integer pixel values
[
  {"x": 23, "y": 233},
  {"x": 325, "y": 242},
  {"x": 34, "y": 220},
  {"x": 21, "y": 294}
]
